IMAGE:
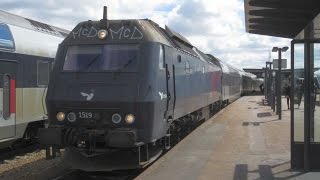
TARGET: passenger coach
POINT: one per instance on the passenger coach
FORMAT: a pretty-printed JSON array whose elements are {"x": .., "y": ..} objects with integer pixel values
[{"x": 27, "y": 51}]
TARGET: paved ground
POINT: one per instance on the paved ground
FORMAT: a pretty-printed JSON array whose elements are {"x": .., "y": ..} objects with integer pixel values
[{"x": 244, "y": 141}]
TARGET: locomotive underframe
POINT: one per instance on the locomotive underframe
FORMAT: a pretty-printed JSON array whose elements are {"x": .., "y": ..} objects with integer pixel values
[{"x": 93, "y": 149}]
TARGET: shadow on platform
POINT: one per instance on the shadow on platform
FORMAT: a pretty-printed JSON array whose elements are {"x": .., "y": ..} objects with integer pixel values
[{"x": 264, "y": 172}]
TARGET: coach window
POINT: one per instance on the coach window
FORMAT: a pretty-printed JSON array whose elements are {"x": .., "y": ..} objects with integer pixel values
[
  {"x": 179, "y": 58},
  {"x": 6, "y": 39},
  {"x": 203, "y": 70},
  {"x": 43, "y": 73},
  {"x": 161, "y": 58}
]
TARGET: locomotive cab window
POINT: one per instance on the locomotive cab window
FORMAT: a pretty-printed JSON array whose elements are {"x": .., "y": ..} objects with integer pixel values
[
  {"x": 102, "y": 58},
  {"x": 42, "y": 73},
  {"x": 161, "y": 58},
  {"x": 6, "y": 39}
]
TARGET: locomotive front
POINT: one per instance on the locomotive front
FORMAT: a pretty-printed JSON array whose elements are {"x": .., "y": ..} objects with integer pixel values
[{"x": 102, "y": 98}]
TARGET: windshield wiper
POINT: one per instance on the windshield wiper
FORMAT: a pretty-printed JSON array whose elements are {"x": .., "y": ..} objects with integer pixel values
[
  {"x": 126, "y": 65},
  {"x": 90, "y": 62}
]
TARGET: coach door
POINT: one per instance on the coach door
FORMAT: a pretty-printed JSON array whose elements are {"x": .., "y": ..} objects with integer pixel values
[
  {"x": 170, "y": 81},
  {"x": 7, "y": 99}
]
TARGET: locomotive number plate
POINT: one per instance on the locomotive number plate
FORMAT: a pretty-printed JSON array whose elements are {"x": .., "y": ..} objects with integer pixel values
[{"x": 85, "y": 115}]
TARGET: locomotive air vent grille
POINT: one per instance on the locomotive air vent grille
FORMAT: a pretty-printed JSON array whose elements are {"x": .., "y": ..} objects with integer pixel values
[
  {"x": 41, "y": 26},
  {"x": 63, "y": 34}
]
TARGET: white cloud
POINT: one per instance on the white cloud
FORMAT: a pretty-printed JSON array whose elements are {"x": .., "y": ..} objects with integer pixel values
[{"x": 214, "y": 26}]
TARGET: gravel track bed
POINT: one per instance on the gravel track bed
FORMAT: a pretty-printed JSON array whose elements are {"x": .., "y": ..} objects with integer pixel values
[{"x": 31, "y": 166}]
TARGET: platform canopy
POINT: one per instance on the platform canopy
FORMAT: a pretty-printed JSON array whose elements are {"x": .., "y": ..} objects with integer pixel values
[{"x": 279, "y": 18}]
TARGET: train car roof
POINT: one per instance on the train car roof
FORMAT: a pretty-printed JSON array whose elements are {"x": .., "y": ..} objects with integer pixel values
[
  {"x": 227, "y": 68},
  {"x": 25, "y": 36},
  {"x": 213, "y": 59},
  {"x": 247, "y": 74},
  {"x": 22, "y": 22}
]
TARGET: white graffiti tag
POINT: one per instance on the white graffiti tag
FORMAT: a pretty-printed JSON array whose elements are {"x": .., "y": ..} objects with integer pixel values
[
  {"x": 84, "y": 32},
  {"x": 131, "y": 33},
  {"x": 162, "y": 95}
]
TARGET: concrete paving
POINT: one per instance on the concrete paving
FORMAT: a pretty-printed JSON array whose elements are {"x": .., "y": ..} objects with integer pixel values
[{"x": 243, "y": 141}]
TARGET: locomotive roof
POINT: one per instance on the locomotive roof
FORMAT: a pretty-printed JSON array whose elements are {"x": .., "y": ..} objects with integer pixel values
[
  {"x": 19, "y": 21},
  {"x": 129, "y": 31},
  {"x": 126, "y": 31},
  {"x": 136, "y": 31}
]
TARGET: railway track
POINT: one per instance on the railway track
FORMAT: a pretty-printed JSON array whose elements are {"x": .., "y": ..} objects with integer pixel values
[
  {"x": 11, "y": 153},
  {"x": 54, "y": 169},
  {"x": 29, "y": 162}
]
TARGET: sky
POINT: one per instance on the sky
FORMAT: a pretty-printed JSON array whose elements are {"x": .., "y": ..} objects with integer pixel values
[{"x": 213, "y": 26}]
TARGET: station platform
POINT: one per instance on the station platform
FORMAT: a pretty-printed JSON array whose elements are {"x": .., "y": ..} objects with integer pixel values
[{"x": 243, "y": 141}]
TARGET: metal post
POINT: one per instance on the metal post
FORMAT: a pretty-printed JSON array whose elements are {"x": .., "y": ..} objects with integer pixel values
[
  {"x": 308, "y": 74},
  {"x": 276, "y": 85},
  {"x": 307, "y": 106},
  {"x": 292, "y": 147},
  {"x": 273, "y": 97},
  {"x": 265, "y": 81},
  {"x": 279, "y": 84},
  {"x": 312, "y": 91},
  {"x": 270, "y": 84}
]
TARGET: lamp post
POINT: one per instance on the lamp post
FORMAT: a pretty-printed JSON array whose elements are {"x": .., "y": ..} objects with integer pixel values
[{"x": 279, "y": 50}]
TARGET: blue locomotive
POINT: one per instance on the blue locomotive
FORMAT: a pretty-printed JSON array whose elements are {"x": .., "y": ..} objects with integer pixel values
[{"x": 122, "y": 91}]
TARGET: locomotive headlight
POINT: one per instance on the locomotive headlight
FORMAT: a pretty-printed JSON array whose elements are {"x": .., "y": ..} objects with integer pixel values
[
  {"x": 102, "y": 34},
  {"x": 71, "y": 116},
  {"x": 61, "y": 116},
  {"x": 116, "y": 118},
  {"x": 129, "y": 118}
]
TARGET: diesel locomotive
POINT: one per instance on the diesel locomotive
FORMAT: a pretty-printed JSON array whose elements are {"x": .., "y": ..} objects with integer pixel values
[{"x": 122, "y": 91}]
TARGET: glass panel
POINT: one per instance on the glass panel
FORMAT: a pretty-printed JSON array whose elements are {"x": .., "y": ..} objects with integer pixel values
[
  {"x": 43, "y": 73},
  {"x": 99, "y": 58},
  {"x": 298, "y": 92},
  {"x": 161, "y": 58},
  {"x": 316, "y": 104},
  {"x": 6, "y": 40}
]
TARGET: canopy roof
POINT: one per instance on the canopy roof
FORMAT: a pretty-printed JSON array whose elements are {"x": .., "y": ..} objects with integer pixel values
[{"x": 279, "y": 18}]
